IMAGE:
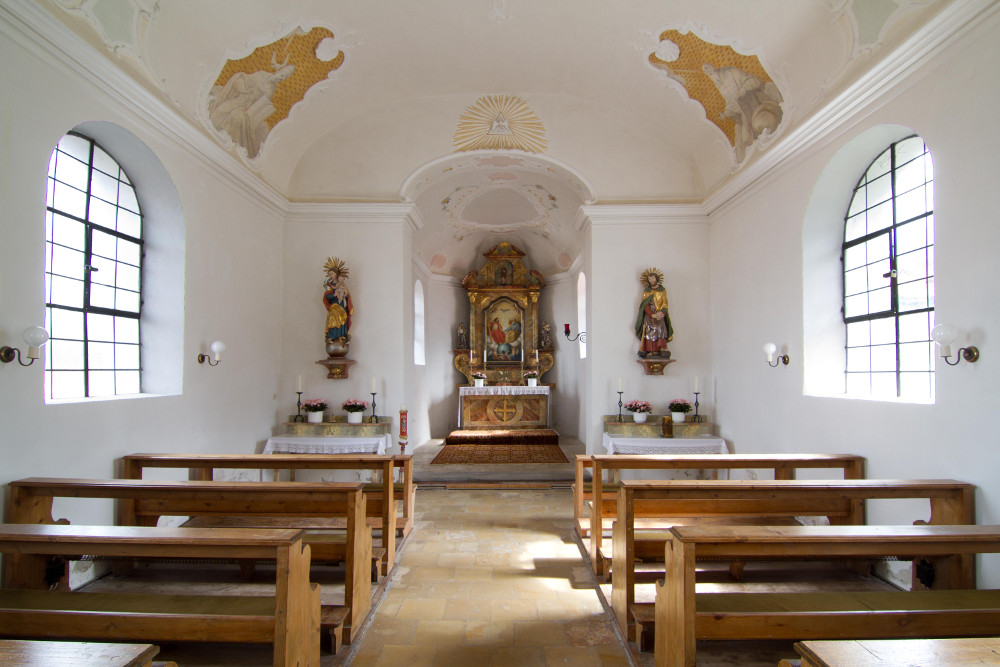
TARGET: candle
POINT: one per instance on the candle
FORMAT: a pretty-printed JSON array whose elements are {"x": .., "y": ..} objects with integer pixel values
[
  {"x": 696, "y": 384},
  {"x": 621, "y": 383},
  {"x": 300, "y": 383},
  {"x": 536, "y": 356},
  {"x": 373, "y": 384}
]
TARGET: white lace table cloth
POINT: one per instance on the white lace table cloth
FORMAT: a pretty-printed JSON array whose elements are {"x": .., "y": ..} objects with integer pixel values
[
  {"x": 614, "y": 444},
  {"x": 284, "y": 444}
]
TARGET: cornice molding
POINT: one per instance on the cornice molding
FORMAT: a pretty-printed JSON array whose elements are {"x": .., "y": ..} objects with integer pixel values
[
  {"x": 641, "y": 214},
  {"x": 39, "y": 33},
  {"x": 885, "y": 80},
  {"x": 338, "y": 213}
]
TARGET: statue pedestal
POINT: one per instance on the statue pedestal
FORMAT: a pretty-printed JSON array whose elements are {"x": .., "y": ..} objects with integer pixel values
[
  {"x": 337, "y": 369},
  {"x": 655, "y": 365}
]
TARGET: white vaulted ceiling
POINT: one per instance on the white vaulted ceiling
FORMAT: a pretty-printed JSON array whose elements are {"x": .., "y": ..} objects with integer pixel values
[{"x": 595, "y": 118}]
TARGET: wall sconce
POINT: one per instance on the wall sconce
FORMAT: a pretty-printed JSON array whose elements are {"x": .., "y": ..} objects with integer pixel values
[
  {"x": 35, "y": 337},
  {"x": 582, "y": 335},
  {"x": 769, "y": 350},
  {"x": 218, "y": 347},
  {"x": 944, "y": 335}
]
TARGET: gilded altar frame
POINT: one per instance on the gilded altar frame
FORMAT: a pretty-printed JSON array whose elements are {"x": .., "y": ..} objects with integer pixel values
[{"x": 503, "y": 319}]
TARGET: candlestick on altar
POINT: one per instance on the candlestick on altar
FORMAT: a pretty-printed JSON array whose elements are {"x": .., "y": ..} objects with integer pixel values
[
  {"x": 697, "y": 419},
  {"x": 374, "y": 419},
  {"x": 620, "y": 405},
  {"x": 298, "y": 408}
]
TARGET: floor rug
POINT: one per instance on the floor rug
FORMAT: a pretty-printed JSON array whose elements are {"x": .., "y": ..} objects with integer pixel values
[
  {"x": 493, "y": 454},
  {"x": 511, "y": 436}
]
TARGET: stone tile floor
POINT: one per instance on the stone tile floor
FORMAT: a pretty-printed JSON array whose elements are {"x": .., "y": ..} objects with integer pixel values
[{"x": 490, "y": 577}]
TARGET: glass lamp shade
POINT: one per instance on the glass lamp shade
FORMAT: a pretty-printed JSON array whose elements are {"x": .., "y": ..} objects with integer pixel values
[
  {"x": 769, "y": 350},
  {"x": 944, "y": 335},
  {"x": 35, "y": 337},
  {"x": 218, "y": 347}
]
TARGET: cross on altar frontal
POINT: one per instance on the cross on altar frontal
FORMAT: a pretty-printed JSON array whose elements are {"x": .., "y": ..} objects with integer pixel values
[{"x": 503, "y": 407}]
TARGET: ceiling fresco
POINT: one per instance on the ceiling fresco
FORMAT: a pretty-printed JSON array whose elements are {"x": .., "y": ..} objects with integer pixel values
[
  {"x": 497, "y": 119},
  {"x": 737, "y": 94}
]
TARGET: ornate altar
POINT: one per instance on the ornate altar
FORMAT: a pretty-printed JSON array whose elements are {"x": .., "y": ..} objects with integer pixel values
[{"x": 503, "y": 339}]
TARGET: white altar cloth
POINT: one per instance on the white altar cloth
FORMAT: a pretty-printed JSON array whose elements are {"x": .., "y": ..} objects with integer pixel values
[
  {"x": 286, "y": 444},
  {"x": 505, "y": 390},
  {"x": 708, "y": 444}
]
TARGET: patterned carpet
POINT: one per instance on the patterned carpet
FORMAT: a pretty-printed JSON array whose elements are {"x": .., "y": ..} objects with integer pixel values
[{"x": 479, "y": 454}]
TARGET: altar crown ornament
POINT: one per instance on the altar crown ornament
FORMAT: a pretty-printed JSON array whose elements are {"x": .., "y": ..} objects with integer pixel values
[
  {"x": 644, "y": 278},
  {"x": 338, "y": 265}
]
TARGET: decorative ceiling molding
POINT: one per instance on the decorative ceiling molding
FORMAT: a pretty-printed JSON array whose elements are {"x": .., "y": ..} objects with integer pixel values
[
  {"x": 500, "y": 122},
  {"x": 51, "y": 42},
  {"x": 339, "y": 213},
  {"x": 120, "y": 24},
  {"x": 880, "y": 83},
  {"x": 641, "y": 214}
]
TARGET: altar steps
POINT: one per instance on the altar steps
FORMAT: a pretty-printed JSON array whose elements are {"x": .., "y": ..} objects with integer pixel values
[{"x": 520, "y": 436}]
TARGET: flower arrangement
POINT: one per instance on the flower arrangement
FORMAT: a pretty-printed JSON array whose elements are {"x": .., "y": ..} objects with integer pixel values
[
  {"x": 479, "y": 375},
  {"x": 679, "y": 405},
  {"x": 530, "y": 375},
  {"x": 354, "y": 405},
  {"x": 639, "y": 406},
  {"x": 314, "y": 405}
]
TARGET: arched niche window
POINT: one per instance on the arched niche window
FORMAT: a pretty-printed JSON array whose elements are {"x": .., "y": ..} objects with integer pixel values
[
  {"x": 888, "y": 273},
  {"x": 107, "y": 339},
  {"x": 419, "y": 346},
  {"x": 581, "y": 311}
]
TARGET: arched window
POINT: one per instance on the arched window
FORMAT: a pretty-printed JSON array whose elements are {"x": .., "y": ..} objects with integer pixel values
[
  {"x": 93, "y": 274},
  {"x": 419, "y": 349},
  {"x": 888, "y": 261}
]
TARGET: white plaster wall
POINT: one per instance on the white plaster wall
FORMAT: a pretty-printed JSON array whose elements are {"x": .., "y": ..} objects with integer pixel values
[
  {"x": 756, "y": 283},
  {"x": 382, "y": 324},
  {"x": 622, "y": 249},
  {"x": 231, "y": 286}
]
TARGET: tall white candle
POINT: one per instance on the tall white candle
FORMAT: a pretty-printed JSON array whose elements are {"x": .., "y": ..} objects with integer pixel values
[
  {"x": 697, "y": 386},
  {"x": 300, "y": 383},
  {"x": 536, "y": 356},
  {"x": 621, "y": 383},
  {"x": 373, "y": 384}
]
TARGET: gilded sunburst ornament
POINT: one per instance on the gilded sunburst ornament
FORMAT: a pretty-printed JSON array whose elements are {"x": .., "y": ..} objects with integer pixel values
[{"x": 500, "y": 122}]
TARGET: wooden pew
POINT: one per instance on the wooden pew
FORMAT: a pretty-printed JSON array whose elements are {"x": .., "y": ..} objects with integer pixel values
[
  {"x": 381, "y": 503},
  {"x": 143, "y": 502},
  {"x": 900, "y": 652},
  {"x": 34, "y": 653},
  {"x": 842, "y": 502},
  {"x": 953, "y": 608},
  {"x": 784, "y": 466},
  {"x": 290, "y": 620}
]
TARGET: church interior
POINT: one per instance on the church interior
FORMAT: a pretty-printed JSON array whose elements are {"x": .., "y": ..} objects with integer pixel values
[{"x": 498, "y": 226}]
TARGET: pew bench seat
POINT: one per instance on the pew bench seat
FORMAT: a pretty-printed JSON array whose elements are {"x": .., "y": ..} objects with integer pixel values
[
  {"x": 35, "y": 653},
  {"x": 834, "y": 615}
]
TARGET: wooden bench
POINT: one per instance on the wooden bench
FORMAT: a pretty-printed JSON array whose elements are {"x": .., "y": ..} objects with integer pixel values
[
  {"x": 784, "y": 466},
  {"x": 34, "y": 653},
  {"x": 203, "y": 466},
  {"x": 674, "y": 502},
  {"x": 900, "y": 652},
  {"x": 143, "y": 502},
  {"x": 953, "y": 608},
  {"x": 381, "y": 505},
  {"x": 290, "y": 620}
]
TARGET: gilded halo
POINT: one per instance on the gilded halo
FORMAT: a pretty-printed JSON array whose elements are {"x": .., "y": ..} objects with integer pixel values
[{"x": 651, "y": 271}]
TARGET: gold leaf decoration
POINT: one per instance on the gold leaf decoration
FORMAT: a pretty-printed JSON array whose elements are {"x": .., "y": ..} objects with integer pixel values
[{"x": 500, "y": 122}]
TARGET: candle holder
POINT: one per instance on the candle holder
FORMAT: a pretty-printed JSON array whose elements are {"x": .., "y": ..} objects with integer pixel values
[
  {"x": 697, "y": 418},
  {"x": 374, "y": 418},
  {"x": 299, "y": 417},
  {"x": 620, "y": 404}
]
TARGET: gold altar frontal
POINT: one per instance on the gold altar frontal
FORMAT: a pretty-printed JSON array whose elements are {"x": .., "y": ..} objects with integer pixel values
[{"x": 505, "y": 411}]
